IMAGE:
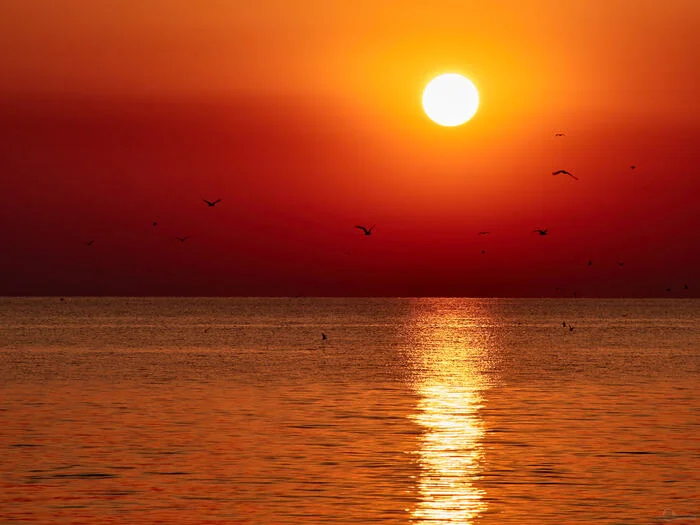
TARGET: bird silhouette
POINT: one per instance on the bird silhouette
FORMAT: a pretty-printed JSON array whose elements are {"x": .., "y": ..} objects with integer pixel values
[
  {"x": 685, "y": 287},
  {"x": 367, "y": 231},
  {"x": 571, "y": 328},
  {"x": 668, "y": 290},
  {"x": 620, "y": 264},
  {"x": 324, "y": 337},
  {"x": 590, "y": 263},
  {"x": 632, "y": 167},
  {"x": 89, "y": 243},
  {"x": 540, "y": 231},
  {"x": 564, "y": 172},
  {"x": 211, "y": 204},
  {"x": 560, "y": 134},
  {"x": 483, "y": 252},
  {"x": 484, "y": 233},
  {"x": 182, "y": 239},
  {"x": 563, "y": 324},
  {"x": 155, "y": 223}
]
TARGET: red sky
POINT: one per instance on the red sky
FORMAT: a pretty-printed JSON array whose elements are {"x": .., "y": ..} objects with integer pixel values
[{"x": 305, "y": 118}]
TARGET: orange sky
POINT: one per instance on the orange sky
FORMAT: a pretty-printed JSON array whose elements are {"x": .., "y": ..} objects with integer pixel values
[{"x": 305, "y": 118}]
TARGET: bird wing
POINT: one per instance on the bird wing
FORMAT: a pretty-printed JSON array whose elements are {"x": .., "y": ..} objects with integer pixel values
[
  {"x": 217, "y": 201},
  {"x": 208, "y": 202},
  {"x": 572, "y": 176},
  {"x": 362, "y": 228}
]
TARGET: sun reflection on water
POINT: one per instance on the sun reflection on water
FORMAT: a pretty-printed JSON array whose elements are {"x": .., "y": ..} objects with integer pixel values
[{"x": 451, "y": 450}]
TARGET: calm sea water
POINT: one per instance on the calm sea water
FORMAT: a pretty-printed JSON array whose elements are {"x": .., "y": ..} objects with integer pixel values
[{"x": 424, "y": 411}]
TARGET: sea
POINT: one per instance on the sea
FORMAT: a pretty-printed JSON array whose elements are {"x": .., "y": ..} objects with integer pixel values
[{"x": 411, "y": 411}]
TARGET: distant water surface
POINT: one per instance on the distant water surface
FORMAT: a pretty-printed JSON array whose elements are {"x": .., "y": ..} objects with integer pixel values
[{"x": 414, "y": 411}]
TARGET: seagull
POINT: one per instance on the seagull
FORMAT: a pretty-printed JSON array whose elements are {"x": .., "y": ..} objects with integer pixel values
[
  {"x": 571, "y": 328},
  {"x": 324, "y": 337},
  {"x": 211, "y": 204},
  {"x": 484, "y": 233},
  {"x": 367, "y": 231},
  {"x": 89, "y": 243},
  {"x": 182, "y": 239},
  {"x": 540, "y": 231},
  {"x": 560, "y": 134},
  {"x": 564, "y": 172}
]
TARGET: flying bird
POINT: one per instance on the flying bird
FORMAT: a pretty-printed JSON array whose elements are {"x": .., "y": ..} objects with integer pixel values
[
  {"x": 483, "y": 252},
  {"x": 590, "y": 263},
  {"x": 182, "y": 239},
  {"x": 685, "y": 287},
  {"x": 540, "y": 231},
  {"x": 484, "y": 233},
  {"x": 564, "y": 172},
  {"x": 632, "y": 167},
  {"x": 89, "y": 243},
  {"x": 367, "y": 231},
  {"x": 155, "y": 223},
  {"x": 560, "y": 134},
  {"x": 620, "y": 264},
  {"x": 211, "y": 204}
]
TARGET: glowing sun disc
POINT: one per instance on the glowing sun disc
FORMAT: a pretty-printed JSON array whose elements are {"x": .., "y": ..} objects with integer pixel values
[{"x": 450, "y": 99}]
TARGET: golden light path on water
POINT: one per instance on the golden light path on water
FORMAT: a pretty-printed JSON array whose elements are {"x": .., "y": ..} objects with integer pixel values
[{"x": 451, "y": 452}]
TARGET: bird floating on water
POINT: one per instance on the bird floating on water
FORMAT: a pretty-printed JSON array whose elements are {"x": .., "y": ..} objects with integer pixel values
[
  {"x": 367, "y": 231},
  {"x": 564, "y": 172},
  {"x": 211, "y": 204}
]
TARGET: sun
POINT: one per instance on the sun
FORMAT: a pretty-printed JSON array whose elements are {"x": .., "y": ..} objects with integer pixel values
[{"x": 450, "y": 99}]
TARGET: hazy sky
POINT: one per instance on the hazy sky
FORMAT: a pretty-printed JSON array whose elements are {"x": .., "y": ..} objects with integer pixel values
[{"x": 305, "y": 118}]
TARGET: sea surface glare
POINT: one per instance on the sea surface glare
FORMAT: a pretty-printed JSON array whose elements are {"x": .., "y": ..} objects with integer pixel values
[{"x": 413, "y": 411}]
